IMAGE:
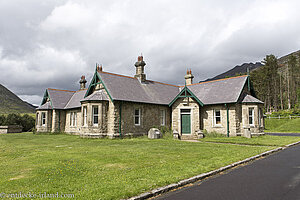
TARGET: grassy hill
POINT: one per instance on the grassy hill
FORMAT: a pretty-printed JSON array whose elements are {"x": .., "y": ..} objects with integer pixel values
[{"x": 11, "y": 103}]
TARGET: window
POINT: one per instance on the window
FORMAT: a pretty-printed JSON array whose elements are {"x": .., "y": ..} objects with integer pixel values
[
  {"x": 137, "y": 117},
  {"x": 95, "y": 115},
  {"x": 162, "y": 117},
  {"x": 259, "y": 117},
  {"x": 251, "y": 115},
  {"x": 217, "y": 117},
  {"x": 73, "y": 118},
  {"x": 43, "y": 119},
  {"x": 84, "y": 116}
]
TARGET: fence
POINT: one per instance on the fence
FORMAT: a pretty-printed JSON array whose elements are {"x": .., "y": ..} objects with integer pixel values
[{"x": 284, "y": 117}]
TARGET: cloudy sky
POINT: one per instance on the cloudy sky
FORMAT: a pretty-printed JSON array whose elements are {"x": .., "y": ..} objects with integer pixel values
[{"x": 51, "y": 43}]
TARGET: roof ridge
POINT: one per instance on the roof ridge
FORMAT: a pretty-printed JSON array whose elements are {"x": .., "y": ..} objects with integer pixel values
[
  {"x": 216, "y": 80},
  {"x": 117, "y": 74},
  {"x": 164, "y": 83},
  {"x": 136, "y": 78},
  {"x": 60, "y": 90}
]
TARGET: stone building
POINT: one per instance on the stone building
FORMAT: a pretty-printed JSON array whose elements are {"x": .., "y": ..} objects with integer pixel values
[{"x": 114, "y": 105}]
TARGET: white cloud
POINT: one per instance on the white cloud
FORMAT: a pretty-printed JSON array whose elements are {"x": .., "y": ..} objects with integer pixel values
[{"x": 52, "y": 43}]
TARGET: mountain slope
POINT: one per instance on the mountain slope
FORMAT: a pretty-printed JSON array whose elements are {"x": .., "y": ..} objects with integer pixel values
[
  {"x": 11, "y": 103},
  {"x": 239, "y": 69}
]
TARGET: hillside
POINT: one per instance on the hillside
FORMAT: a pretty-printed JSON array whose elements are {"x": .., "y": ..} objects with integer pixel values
[
  {"x": 239, "y": 69},
  {"x": 11, "y": 103}
]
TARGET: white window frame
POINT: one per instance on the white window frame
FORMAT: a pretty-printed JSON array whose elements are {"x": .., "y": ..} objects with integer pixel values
[
  {"x": 43, "y": 118},
  {"x": 215, "y": 117},
  {"x": 84, "y": 115},
  {"x": 162, "y": 117},
  {"x": 73, "y": 119},
  {"x": 137, "y": 116},
  {"x": 95, "y": 115},
  {"x": 252, "y": 116}
]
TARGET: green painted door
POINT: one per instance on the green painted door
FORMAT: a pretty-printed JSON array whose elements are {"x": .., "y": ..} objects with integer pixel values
[{"x": 185, "y": 123}]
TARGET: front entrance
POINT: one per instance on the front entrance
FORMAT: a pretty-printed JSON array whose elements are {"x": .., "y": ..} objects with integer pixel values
[{"x": 185, "y": 115}]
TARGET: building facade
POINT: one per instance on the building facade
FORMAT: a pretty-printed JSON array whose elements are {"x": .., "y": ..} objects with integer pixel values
[{"x": 114, "y": 105}]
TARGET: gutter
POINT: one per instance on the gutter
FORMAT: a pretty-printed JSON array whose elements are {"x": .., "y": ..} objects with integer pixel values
[
  {"x": 227, "y": 111},
  {"x": 120, "y": 117}
]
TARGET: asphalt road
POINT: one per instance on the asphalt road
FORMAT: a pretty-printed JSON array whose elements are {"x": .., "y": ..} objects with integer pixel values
[
  {"x": 275, "y": 177},
  {"x": 284, "y": 134}
]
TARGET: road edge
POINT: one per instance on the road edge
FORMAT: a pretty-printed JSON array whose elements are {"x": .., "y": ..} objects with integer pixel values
[{"x": 202, "y": 176}]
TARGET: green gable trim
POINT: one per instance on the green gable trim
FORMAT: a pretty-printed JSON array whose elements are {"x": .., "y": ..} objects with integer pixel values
[
  {"x": 94, "y": 83},
  {"x": 46, "y": 96},
  {"x": 184, "y": 94}
]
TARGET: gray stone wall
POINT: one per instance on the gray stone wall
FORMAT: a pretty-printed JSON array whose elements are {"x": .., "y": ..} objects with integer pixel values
[
  {"x": 208, "y": 118},
  {"x": 90, "y": 128},
  {"x": 150, "y": 117},
  {"x": 73, "y": 129},
  {"x": 48, "y": 126},
  {"x": 258, "y": 125}
]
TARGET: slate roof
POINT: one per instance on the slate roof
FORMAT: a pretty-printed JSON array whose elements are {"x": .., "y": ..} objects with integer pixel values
[
  {"x": 45, "y": 106},
  {"x": 219, "y": 91},
  {"x": 74, "y": 102},
  {"x": 127, "y": 88},
  {"x": 250, "y": 99},
  {"x": 59, "y": 98},
  {"x": 96, "y": 96}
]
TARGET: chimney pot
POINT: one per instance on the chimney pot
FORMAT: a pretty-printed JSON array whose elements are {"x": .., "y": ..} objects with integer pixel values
[{"x": 82, "y": 82}]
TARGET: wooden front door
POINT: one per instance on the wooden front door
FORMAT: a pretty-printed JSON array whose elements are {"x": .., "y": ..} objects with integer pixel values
[{"x": 185, "y": 123}]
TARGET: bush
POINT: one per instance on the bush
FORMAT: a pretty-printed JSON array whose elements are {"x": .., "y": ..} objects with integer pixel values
[
  {"x": 286, "y": 113},
  {"x": 26, "y": 121}
]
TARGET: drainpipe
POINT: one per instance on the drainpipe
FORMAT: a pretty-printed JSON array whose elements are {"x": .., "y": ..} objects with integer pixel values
[
  {"x": 58, "y": 120},
  {"x": 227, "y": 110},
  {"x": 120, "y": 121}
]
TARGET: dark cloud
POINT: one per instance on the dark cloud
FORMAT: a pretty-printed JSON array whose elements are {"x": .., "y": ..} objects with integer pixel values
[{"x": 52, "y": 43}]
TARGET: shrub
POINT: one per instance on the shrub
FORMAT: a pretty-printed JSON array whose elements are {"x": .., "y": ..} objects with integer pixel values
[{"x": 26, "y": 121}]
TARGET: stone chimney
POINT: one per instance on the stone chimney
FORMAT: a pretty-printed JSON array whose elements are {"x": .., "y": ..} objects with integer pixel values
[
  {"x": 99, "y": 68},
  {"x": 140, "y": 69},
  {"x": 189, "y": 77},
  {"x": 82, "y": 82}
]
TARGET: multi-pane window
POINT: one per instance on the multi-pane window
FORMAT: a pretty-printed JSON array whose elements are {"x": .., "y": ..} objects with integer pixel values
[
  {"x": 84, "y": 116},
  {"x": 95, "y": 115},
  {"x": 43, "y": 119},
  {"x": 217, "y": 115},
  {"x": 137, "y": 117},
  {"x": 162, "y": 117},
  {"x": 73, "y": 118},
  {"x": 251, "y": 116}
]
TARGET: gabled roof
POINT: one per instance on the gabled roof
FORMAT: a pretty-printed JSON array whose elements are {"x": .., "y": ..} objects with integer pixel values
[
  {"x": 58, "y": 98},
  {"x": 219, "y": 91},
  {"x": 250, "y": 99},
  {"x": 125, "y": 88}
]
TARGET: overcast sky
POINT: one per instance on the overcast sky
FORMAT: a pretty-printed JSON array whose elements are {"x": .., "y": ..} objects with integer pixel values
[{"x": 51, "y": 43}]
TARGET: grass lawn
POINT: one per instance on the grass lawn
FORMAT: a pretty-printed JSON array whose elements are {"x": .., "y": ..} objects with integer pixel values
[
  {"x": 109, "y": 169},
  {"x": 264, "y": 140},
  {"x": 282, "y": 125}
]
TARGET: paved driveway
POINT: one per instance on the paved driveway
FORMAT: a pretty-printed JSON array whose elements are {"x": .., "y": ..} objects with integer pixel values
[{"x": 272, "y": 178}]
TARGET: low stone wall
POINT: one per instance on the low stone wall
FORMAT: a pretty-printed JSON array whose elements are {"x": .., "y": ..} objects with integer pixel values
[{"x": 11, "y": 129}]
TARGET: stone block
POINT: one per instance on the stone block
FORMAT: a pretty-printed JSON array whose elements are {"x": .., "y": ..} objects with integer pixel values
[
  {"x": 154, "y": 133},
  {"x": 176, "y": 134},
  {"x": 247, "y": 132}
]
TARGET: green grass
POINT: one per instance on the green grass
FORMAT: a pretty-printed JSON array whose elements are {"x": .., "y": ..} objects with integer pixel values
[
  {"x": 104, "y": 168},
  {"x": 264, "y": 140},
  {"x": 282, "y": 125}
]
